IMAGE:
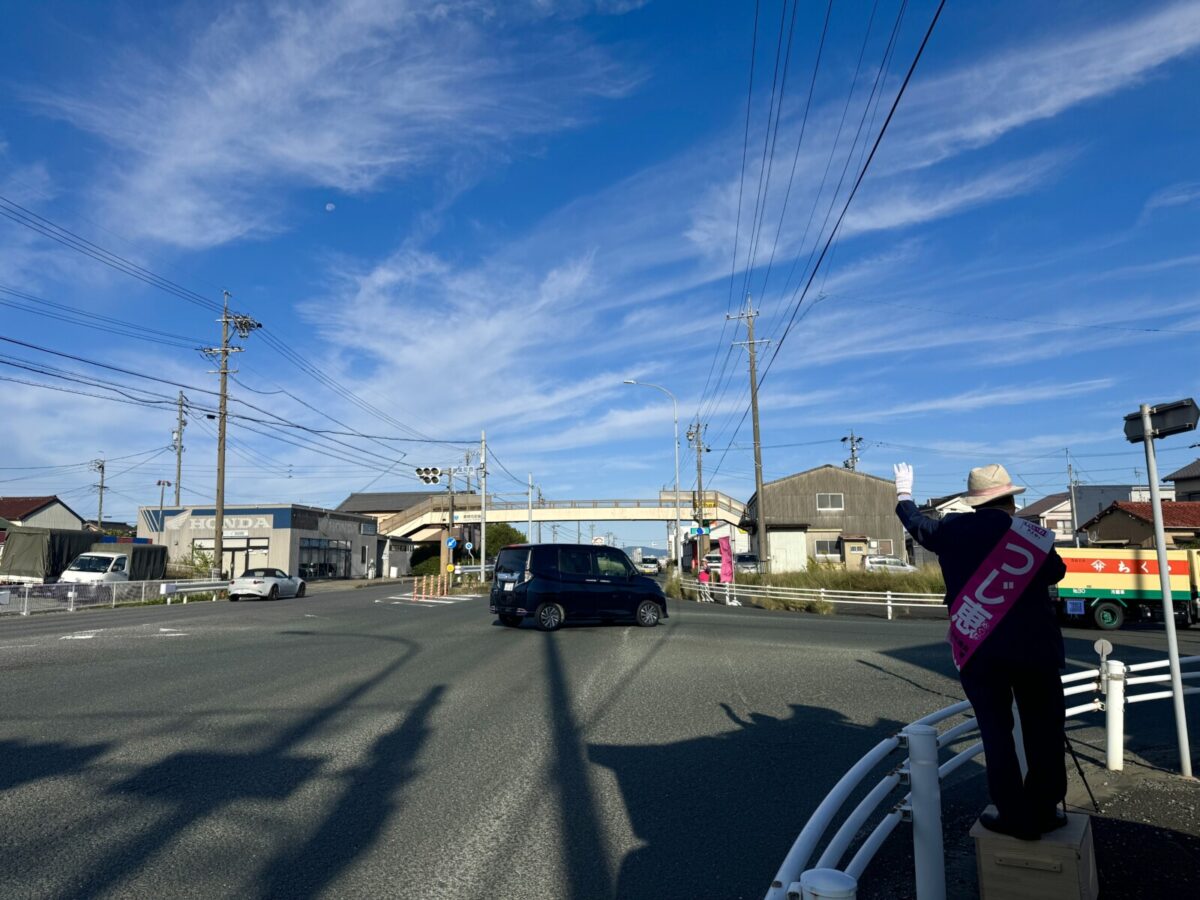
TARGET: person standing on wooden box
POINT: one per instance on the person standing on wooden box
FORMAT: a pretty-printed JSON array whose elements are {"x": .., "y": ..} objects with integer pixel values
[{"x": 1005, "y": 640}]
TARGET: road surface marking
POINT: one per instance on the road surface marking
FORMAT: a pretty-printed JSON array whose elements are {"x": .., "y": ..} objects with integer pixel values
[{"x": 77, "y": 637}]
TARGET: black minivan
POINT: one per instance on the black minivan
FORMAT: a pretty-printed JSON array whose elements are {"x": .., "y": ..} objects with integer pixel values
[{"x": 556, "y": 582}]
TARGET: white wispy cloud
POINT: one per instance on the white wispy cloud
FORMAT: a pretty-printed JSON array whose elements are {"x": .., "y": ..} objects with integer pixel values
[
  {"x": 977, "y": 104},
  {"x": 340, "y": 95},
  {"x": 985, "y": 398},
  {"x": 1176, "y": 195},
  {"x": 911, "y": 202}
]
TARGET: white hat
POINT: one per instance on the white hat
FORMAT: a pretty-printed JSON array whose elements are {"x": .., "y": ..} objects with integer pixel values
[{"x": 987, "y": 483}]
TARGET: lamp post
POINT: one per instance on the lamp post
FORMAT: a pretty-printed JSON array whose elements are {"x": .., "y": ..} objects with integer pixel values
[
  {"x": 162, "y": 487},
  {"x": 678, "y": 517}
]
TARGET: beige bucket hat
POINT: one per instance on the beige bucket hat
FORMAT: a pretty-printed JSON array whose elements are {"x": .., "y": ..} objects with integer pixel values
[{"x": 987, "y": 483}]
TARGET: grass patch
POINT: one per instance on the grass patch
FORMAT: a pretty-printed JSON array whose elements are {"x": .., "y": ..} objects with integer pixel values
[{"x": 834, "y": 578}]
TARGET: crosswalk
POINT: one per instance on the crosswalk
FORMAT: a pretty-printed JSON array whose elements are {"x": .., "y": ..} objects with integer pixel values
[{"x": 429, "y": 602}]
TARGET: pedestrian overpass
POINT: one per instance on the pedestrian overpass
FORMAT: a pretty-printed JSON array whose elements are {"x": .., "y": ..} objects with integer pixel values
[{"x": 430, "y": 519}]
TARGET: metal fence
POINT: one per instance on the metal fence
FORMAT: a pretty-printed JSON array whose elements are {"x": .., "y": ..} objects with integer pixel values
[
  {"x": 23, "y": 599},
  {"x": 922, "y": 772},
  {"x": 887, "y": 603}
]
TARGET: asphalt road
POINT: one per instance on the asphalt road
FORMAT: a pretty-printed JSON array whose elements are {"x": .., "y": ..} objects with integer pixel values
[{"x": 352, "y": 744}]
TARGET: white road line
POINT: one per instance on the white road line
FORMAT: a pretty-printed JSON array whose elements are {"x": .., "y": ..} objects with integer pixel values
[
  {"x": 173, "y": 634},
  {"x": 76, "y": 637}
]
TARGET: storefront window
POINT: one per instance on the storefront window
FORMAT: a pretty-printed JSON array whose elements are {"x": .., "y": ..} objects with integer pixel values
[{"x": 324, "y": 558}]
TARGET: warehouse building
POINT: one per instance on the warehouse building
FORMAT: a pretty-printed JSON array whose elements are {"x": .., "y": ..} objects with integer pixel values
[
  {"x": 302, "y": 540},
  {"x": 829, "y": 514}
]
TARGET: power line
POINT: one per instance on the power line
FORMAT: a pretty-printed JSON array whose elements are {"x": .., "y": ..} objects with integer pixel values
[
  {"x": 858, "y": 183},
  {"x": 737, "y": 228},
  {"x": 72, "y": 315},
  {"x": 43, "y": 226},
  {"x": 64, "y": 236}
]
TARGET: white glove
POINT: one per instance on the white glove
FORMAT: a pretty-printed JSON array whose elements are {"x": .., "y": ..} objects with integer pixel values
[{"x": 904, "y": 479}]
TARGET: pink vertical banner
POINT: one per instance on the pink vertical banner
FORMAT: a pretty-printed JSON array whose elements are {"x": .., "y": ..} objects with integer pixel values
[{"x": 726, "y": 560}]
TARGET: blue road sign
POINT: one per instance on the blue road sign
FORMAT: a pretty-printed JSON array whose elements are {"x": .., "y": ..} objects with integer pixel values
[
  {"x": 698, "y": 531},
  {"x": 469, "y": 546},
  {"x": 451, "y": 543}
]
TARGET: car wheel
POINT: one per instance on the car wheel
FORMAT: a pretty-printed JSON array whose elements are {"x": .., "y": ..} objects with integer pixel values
[
  {"x": 1108, "y": 616},
  {"x": 300, "y": 590},
  {"x": 648, "y": 614},
  {"x": 549, "y": 616},
  {"x": 273, "y": 594},
  {"x": 233, "y": 598},
  {"x": 509, "y": 620}
]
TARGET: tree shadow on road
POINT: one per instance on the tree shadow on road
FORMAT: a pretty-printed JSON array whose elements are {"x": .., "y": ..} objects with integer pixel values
[
  {"x": 719, "y": 814},
  {"x": 193, "y": 785},
  {"x": 361, "y": 812},
  {"x": 25, "y": 762}
]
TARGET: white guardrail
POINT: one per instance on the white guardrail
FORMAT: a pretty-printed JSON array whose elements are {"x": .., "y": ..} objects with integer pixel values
[
  {"x": 23, "y": 599},
  {"x": 922, "y": 773},
  {"x": 734, "y": 594}
]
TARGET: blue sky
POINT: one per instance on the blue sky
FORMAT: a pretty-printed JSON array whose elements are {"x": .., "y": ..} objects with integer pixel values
[{"x": 487, "y": 215}]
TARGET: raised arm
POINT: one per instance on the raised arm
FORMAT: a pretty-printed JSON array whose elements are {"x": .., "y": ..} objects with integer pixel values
[{"x": 923, "y": 528}]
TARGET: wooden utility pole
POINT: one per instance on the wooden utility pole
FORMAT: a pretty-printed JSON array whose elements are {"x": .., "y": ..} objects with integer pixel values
[{"x": 760, "y": 506}]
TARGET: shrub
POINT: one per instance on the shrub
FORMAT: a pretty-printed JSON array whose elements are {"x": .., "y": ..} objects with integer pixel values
[{"x": 431, "y": 565}]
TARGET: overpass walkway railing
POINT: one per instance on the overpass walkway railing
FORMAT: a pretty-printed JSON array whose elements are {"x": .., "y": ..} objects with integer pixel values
[
  {"x": 923, "y": 772},
  {"x": 719, "y": 505}
]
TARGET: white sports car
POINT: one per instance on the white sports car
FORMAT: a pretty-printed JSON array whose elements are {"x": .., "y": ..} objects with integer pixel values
[{"x": 268, "y": 584}]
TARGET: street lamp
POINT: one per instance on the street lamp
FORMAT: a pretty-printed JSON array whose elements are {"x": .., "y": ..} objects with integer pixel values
[
  {"x": 162, "y": 487},
  {"x": 678, "y": 517}
]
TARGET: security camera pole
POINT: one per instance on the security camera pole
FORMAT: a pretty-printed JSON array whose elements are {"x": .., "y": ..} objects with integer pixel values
[{"x": 1145, "y": 425}]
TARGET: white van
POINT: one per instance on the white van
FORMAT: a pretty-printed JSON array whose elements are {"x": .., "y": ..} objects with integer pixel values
[{"x": 91, "y": 568}]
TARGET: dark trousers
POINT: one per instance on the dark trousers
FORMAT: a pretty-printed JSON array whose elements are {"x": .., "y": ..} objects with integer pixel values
[{"x": 991, "y": 686}]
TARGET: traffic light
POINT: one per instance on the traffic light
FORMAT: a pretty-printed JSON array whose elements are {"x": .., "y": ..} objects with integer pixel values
[{"x": 430, "y": 474}]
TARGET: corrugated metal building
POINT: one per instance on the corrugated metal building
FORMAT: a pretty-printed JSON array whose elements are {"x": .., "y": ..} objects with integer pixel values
[{"x": 827, "y": 514}]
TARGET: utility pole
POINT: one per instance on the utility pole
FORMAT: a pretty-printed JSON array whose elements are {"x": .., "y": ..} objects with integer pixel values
[
  {"x": 178, "y": 436},
  {"x": 539, "y": 521},
  {"x": 579, "y": 532},
  {"x": 529, "y": 527},
  {"x": 695, "y": 436},
  {"x": 483, "y": 506},
  {"x": 243, "y": 325},
  {"x": 1071, "y": 488},
  {"x": 764, "y": 543},
  {"x": 98, "y": 466},
  {"x": 162, "y": 488},
  {"x": 852, "y": 462}
]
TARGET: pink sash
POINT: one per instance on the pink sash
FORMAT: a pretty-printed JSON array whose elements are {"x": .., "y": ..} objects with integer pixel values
[{"x": 991, "y": 592}]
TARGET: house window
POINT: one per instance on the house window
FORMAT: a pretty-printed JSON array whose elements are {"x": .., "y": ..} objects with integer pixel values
[
  {"x": 828, "y": 548},
  {"x": 885, "y": 547},
  {"x": 830, "y": 502}
]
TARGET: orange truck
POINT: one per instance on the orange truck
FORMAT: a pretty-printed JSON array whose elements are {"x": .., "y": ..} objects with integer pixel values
[{"x": 1109, "y": 587}]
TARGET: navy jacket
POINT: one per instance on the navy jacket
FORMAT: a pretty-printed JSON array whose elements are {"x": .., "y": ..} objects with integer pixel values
[{"x": 1029, "y": 632}]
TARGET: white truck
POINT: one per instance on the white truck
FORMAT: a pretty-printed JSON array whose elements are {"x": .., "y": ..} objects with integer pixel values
[{"x": 139, "y": 562}]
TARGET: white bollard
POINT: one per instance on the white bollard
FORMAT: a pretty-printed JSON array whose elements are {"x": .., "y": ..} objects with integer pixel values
[
  {"x": 928, "y": 857},
  {"x": 1114, "y": 716},
  {"x": 889, "y": 605},
  {"x": 824, "y": 884}
]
